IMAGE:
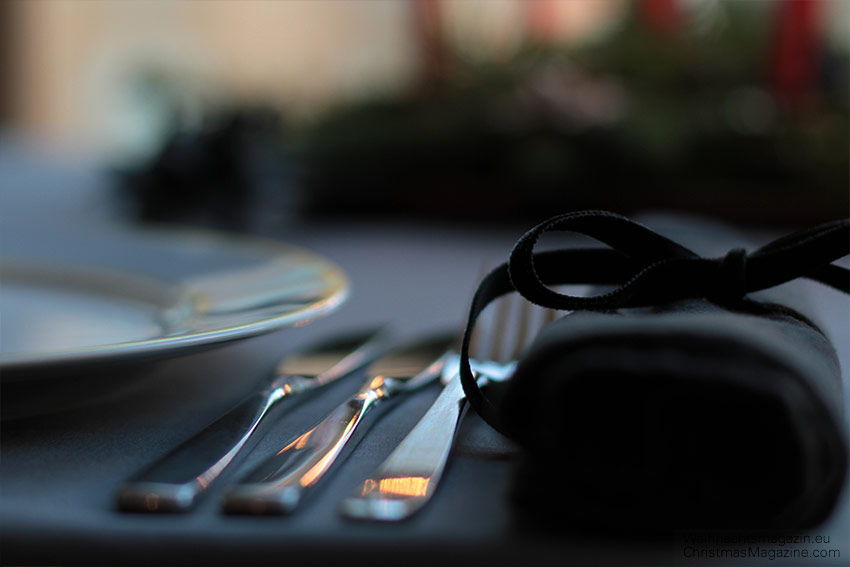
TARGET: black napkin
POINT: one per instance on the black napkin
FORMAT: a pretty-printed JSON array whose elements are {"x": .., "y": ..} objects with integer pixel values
[
  {"x": 645, "y": 414},
  {"x": 690, "y": 416}
]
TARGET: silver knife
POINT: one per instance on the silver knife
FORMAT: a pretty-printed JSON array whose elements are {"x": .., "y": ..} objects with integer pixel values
[
  {"x": 278, "y": 485},
  {"x": 175, "y": 482}
]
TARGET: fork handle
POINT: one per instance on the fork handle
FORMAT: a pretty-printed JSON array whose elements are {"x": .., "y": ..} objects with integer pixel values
[
  {"x": 409, "y": 476},
  {"x": 175, "y": 482},
  {"x": 279, "y": 483}
]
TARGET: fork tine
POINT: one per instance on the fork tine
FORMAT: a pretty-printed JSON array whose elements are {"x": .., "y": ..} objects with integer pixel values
[
  {"x": 500, "y": 329},
  {"x": 520, "y": 335},
  {"x": 476, "y": 340},
  {"x": 512, "y": 323},
  {"x": 530, "y": 320}
]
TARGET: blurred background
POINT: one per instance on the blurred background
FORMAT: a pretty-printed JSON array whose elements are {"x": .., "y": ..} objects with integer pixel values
[{"x": 232, "y": 113}]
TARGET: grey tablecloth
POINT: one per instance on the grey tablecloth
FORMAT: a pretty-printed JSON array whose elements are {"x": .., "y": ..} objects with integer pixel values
[{"x": 58, "y": 473}]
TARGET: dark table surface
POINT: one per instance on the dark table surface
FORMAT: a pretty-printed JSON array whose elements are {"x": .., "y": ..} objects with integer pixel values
[{"x": 58, "y": 472}]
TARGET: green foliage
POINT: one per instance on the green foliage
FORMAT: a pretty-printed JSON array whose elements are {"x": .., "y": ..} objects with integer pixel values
[{"x": 691, "y": 117}]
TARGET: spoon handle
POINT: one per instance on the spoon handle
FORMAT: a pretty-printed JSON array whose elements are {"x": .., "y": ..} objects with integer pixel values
[
  {"x": 279, "y": 483},
  {"x": 175, "y": 482}
]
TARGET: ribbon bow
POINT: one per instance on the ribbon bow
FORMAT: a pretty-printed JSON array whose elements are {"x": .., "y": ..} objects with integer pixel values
[{"x": 648, "y": 269}]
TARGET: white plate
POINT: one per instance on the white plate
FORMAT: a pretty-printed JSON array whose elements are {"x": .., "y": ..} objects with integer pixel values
[{"x": 70, "y": 302}]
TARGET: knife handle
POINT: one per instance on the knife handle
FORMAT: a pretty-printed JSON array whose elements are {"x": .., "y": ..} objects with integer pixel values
[
  {"x": 175, "y": 482},
  {"x": 409, "y": 476},
  {"x": 279, "y": 483}
]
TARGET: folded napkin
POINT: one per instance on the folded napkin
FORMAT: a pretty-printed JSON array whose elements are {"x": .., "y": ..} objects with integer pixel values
[{"x": 680, "y": 399}]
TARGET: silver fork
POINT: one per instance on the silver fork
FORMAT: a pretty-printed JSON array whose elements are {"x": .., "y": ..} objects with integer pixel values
[{"x": 407, "y": 479}]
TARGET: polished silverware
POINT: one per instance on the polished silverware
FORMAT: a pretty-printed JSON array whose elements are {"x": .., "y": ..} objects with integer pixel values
[
  {"x": 278, "y": 485},
  {"x": 175, "y": 482},
  {"x": 407, "y": 479}
]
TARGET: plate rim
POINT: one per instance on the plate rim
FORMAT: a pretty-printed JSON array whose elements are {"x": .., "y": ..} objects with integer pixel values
[{"x": 167, "y": 346}]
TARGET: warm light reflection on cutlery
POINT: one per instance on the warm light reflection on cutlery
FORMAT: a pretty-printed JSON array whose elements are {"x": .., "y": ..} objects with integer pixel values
[
  {"x": 174, "y": 483},
  {"x": 408, "y": 478},
  {"x": 279, "y": 483}
]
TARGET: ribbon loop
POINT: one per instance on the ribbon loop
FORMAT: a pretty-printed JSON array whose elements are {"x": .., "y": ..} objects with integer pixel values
[{"x": 648, "y": 269}]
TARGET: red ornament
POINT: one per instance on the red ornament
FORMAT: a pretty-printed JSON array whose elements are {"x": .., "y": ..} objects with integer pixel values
[{"x": 795, "y": 50}]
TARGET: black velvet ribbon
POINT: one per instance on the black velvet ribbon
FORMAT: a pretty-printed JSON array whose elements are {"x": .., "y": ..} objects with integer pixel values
[{"x": 648, "y": 269}]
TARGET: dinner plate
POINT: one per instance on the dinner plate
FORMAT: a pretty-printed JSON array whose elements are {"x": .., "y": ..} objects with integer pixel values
[{"x": 73, "y": 304}]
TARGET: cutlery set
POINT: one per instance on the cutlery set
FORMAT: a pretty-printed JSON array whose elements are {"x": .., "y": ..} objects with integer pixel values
[
  {"x": 278, "y": 484},
  {"x": 176, "y": 481},
  {"x": 401, "y": 486}
]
